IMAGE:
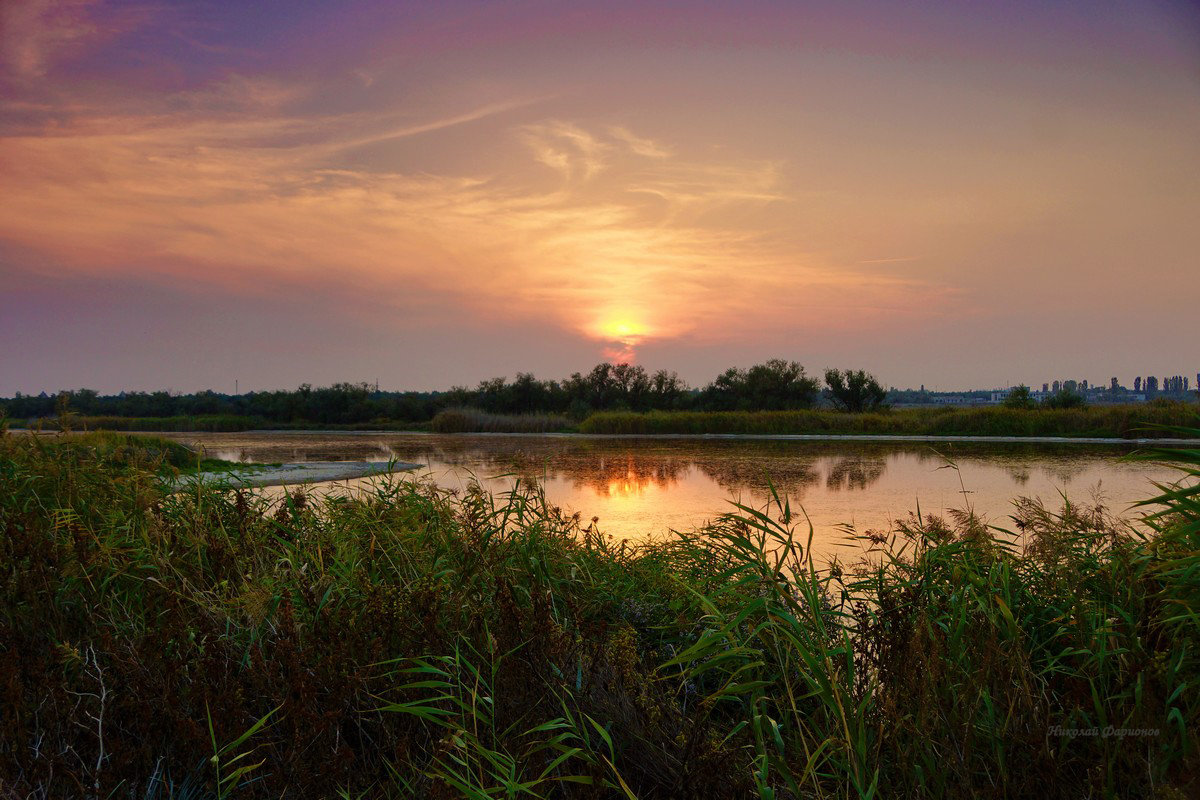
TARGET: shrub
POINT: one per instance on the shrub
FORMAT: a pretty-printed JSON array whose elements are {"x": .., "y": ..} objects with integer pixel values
[
  {"x": 1117, "y": 421},
  {"x": 470, "y": 420},
  {"x": 1020, "y": 398},
  {"x": 1065, "y": 398},
  {"x": 854, "y": 391}
]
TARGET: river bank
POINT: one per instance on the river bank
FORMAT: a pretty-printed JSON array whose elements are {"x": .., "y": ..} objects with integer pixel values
[
  {"x": 749, "y": 437},
  {"x": 764, "y": 437},
  {"x": 1132, "y": 422},
  {"x": 1123, "y": 422}
]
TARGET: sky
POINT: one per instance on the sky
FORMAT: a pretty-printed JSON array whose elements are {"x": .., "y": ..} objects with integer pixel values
[{"x": 959, "y": 195}]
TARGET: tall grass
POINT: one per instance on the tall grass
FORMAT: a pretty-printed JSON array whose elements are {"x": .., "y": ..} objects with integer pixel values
[
  {"x": 471, "y": 420},
  {"x": 110, "y": 450},
  {"x": 411, "y": 642},
  {"x": 1119, "y": 421},
  {"x": 211, "y": 423}
]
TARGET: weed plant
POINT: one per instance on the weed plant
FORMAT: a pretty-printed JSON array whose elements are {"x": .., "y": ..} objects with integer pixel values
[
  {"x": 413, "y": 642},
  {"x": 471, "y": 420},
  {"x": 210, "y": 423},
  {"x": 1119, "y": 421}
]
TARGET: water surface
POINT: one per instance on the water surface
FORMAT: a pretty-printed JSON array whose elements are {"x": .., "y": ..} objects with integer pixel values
[{"x": 640, "y": 488}]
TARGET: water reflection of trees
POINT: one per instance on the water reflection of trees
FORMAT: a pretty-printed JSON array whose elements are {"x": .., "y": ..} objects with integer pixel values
[
  {"x": 1019, "y": 474},
  {"x": 623, "y": 466},
  {"x": 611, "y": 468},
  {"x": 788, "y": 476},
  {"x": 854, "y": 473}
]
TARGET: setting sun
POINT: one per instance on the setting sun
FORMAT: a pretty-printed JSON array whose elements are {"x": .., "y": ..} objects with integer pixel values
[
  {"x": 623, "y": 330},
  {"x": 396, "y": 217}
]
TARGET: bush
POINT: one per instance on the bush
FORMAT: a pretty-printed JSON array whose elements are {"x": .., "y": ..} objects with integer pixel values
[
  {"x": 1065, "y": 398},
  {"x": 470, "y": 420},
  {"x": 1020, "y": 398},
  {"x": 219, "y": 423},
  {"x": 1120, "y": 421},
  {"x": 854, "y": 391}
]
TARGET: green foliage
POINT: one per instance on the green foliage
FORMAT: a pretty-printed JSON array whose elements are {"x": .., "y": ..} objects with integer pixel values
[
  {"x": 1065, "y": 398},
  {"x": 1020, "y": 398},
  {"x": 1125, "y": 422},
  {"x": 472, "y": 420},
  {"x": 1174, "y": 515},
  {"x": 219, "y": 423},
  {"x": 411, "y": 642},
  {"x": 774, "y": 385},
  {"x": 120, "y": 450},
  {"x": 854, "y": 391}
]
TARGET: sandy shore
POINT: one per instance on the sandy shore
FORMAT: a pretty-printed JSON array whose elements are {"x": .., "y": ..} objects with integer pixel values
[{"x": 302, "y": 472}]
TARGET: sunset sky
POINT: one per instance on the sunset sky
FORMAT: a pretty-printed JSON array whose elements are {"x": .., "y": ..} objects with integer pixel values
[{"x": 426, "y": 194}]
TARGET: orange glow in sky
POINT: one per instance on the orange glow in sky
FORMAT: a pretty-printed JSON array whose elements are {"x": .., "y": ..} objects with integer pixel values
[
  {"x": 438, "y": 193},
  {"x": 622, "y": 336}
]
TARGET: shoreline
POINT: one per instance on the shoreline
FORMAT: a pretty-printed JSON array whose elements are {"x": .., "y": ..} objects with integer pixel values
[{"x": 784, "y": 437}]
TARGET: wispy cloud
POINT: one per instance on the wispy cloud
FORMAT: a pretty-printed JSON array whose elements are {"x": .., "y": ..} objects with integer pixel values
[
  {"x": 429, "y": 126},
  {"x": 566, "y": 148},
  {"x": 638, "y": 144},
  {"x": 34, "y": 33},
  {"x": 262, "y": 201}
]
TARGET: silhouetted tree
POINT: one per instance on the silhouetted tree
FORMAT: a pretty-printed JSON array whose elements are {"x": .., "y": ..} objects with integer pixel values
[
  {"x": 1065, "y": 398},
  {"x": 666, "y": 390},
  {"x": 774, "y": 385},
  {"x": 1019, "y": 397},
  {"x": 854, "y": 390}
]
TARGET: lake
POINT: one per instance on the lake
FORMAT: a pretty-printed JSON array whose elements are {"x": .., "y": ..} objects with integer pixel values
[{"x": 640, "y": 487}]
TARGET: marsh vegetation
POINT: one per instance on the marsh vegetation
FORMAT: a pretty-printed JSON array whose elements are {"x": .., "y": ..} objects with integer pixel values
[
  {"x": 1153, "y": 420},
  {"x": 417, "y": 642}
]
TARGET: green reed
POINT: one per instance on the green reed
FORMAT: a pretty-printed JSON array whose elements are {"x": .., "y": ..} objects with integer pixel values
[
  {"x": 1118, "y": 421},
  {"x": 472, "y": 420},
  {"x": 412, "y": 642}
]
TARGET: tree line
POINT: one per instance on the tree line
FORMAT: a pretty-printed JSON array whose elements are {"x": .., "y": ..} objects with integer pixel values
[{"x": 776, "y": 384}]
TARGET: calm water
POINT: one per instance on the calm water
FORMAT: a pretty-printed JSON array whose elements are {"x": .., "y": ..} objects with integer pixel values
[{"x": 645, "y": 487}]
